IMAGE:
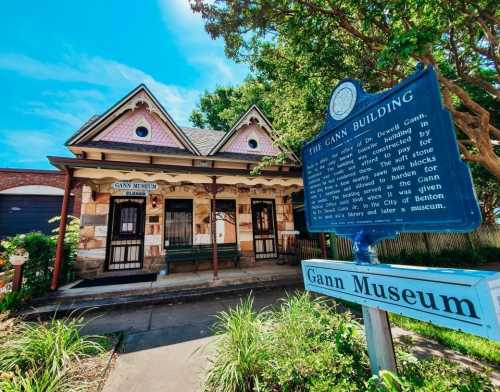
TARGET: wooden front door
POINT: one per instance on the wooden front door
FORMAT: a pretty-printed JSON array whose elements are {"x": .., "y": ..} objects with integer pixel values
[
  {"x": 125, "y": 250},
  {"x": 264, "y": 228}
]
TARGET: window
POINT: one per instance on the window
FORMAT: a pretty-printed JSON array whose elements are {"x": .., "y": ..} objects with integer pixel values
[
  {"x": 225, "y": 221},
  {"x": 178, "y": 222},
  {"x": 252, "y": 143},
  {"x": 141, "y": 132}
]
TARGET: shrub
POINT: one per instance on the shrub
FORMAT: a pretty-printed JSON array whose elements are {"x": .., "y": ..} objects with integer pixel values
[
  {"x": 40, "y": 357},
  {"x": 305, "y": 345},
  {"x": 37, "y": 271}
]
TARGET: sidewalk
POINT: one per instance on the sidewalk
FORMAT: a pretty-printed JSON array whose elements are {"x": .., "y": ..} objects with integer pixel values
[{"x": 174, "y": 287}]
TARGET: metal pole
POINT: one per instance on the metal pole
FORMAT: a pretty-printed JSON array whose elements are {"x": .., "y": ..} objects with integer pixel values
[
  {"x": 62, "y": 231},
  {"x": 215, "y": 260},
  {"x": 376, "y": 322},
  {"x": 17, "y": 281}
]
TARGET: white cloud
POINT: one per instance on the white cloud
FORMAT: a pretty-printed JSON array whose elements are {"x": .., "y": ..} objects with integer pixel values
[{"x": 96, "y": 72}]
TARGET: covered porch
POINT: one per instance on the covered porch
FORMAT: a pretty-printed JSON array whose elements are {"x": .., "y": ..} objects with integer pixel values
[{"x": 182, "y": 220}]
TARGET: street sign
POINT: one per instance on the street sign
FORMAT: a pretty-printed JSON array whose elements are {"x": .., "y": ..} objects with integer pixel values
[
  {"x": 383, "y": 164},
  {"x": 466, "y": 300},
  {"x": 387, "y": 163}
]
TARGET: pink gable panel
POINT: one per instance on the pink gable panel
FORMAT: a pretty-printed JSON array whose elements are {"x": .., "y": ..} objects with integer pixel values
[
  {"x": 123, "y": 130},
  {"x": 239, "y": 142}
]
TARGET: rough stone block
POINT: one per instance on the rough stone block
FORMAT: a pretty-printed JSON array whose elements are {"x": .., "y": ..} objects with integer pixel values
[
  {"x": 88, "y": 208},
  {"x": 87, "y": 220},
  {"x": 246, "y": 246},
  {"x": 102, "y": 209},
  {"x": 102, "y": 198},
  {"x": 87, "y": 232}
]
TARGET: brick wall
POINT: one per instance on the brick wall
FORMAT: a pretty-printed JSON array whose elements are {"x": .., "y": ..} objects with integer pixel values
[{"x": 11, "y": 178}]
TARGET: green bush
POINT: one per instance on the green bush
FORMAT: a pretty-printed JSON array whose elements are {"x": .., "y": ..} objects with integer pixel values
[
  {"x": 11, "y": 300},
  {"x": 37, "y": 272},
  {"x": 305, "y": 345}
]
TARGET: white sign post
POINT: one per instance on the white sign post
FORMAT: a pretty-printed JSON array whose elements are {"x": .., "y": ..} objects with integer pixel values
[{"x": 466, "y": 300}]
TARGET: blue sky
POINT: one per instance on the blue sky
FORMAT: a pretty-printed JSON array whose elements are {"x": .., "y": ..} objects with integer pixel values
[{"x": 63, "y": 61}]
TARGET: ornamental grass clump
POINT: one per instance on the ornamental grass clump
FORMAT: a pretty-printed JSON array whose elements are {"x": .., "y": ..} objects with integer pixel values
[
  {"x": 43, "y": 356},
  {"x": 305, "y": 344}
]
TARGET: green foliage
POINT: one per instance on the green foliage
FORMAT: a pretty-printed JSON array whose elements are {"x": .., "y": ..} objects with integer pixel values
[
  {"x": 36, "y": 272},
  {"x": 71, "y": 242},
  {"x": 475, "y": 346},
  {"x": 39, "y": 357},
  {"x": 305, "y": 345},
  {"x": 11, "y": 300},
  {"x": 243, "y": 353},
  {"x": 302, "y": 49},
  {"x": 51, "y": 346},
  {"x": 221, "y": 108},
  {"x": 433, "y": 375}
]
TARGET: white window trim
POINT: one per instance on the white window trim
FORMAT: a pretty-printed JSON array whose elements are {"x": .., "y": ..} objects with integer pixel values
[
  {"x": 254, "y": 136},
  {"x": 142, "y": 122}
]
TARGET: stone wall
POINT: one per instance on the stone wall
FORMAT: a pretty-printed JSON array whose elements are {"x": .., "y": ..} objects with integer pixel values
[{"x": 95, "y": 211}]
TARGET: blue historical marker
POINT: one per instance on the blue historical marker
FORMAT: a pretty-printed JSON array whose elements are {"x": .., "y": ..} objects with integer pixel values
[
  {"x": 388, "y": 163},
  {"x": 383, "y": 164}
]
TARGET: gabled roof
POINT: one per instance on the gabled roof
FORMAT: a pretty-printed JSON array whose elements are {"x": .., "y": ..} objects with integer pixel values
[
  {"x": 203, "y": 139},
  {"x": 91, "y": 127},
  {"x": 253, "y": 112}
]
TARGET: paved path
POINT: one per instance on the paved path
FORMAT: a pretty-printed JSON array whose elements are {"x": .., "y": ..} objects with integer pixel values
[{"x": 166, "y": 347}]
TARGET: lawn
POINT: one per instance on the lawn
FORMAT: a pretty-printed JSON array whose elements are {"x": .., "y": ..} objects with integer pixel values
[
  {"x": 474, "y": 346},
  {"x": 465, "y": 343}
]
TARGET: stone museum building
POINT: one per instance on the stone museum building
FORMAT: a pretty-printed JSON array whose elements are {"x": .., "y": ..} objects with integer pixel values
[{"x": 159, "y": 197}]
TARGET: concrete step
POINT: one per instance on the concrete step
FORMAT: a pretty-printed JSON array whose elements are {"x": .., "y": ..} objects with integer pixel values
[{"x": 64, "y": 306}]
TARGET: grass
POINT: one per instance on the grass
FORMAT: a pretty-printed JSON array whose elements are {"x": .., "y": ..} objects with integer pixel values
[
  {"x": 474, "y": 346},
  {"x": 306, "y": 345},
  {"x": 46, "y": 357}
]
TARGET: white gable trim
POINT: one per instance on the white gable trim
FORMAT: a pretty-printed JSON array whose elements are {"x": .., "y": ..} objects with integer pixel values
[
  {"x": 245, "y": 119},
  {"x": 130, "y": 102}
]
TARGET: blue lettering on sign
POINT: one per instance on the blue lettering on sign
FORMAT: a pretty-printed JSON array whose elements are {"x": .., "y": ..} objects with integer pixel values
[{"x": 391, "y": 165}]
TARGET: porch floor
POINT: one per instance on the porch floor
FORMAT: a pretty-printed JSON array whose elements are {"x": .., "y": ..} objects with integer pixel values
[{"x": 185, "y": 280}]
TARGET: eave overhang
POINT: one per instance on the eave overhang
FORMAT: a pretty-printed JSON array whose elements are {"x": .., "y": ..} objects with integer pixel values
[{"x": 77, "y": 163}]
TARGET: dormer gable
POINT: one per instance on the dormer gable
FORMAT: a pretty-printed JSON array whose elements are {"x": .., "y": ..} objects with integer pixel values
[
  {"x": 136, "y": 119},
  {"x": 251, "y": 134}
]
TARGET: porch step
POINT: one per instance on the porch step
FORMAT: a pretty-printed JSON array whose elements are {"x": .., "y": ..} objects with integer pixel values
[{"x": 65, "y": 305}]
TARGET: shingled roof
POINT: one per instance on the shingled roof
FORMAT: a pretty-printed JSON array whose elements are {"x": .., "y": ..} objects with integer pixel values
[{"x": 203, "y": 139}]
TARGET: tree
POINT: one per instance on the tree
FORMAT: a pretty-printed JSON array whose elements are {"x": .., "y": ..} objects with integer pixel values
[
  {"x": 488, "y": 191},
  {"x": 304, "y": 47},
  {"x": 223, "y": 107}
]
